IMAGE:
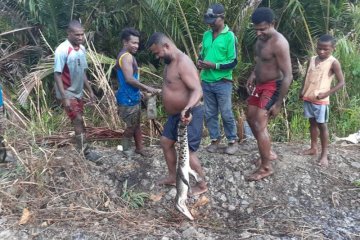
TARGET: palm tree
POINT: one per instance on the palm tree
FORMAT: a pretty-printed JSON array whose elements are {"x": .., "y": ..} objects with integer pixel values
[{"x": 300, "y": 21}]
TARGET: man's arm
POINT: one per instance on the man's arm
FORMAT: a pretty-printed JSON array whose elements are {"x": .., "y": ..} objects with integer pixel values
[
  {"x": 201, "y": 55},
  {"x": 59, "y": 63},
  {"x": 282, "y": 55},
  {"x": 190, "y": 78},
  {"x": 127, "y": 69},
  {"x": 303, "y": 82},
  {"x": 250, "y": 82},
  {"x": 231, "y": 60},
  {"x": 336, "y": 68},
  {"x": 60, "y": 85}
]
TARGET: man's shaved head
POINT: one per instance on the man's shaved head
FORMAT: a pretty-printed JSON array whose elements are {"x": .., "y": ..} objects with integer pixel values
[
  {"x": 74, "y": 24},
  {"x": 158, "y": 38}
]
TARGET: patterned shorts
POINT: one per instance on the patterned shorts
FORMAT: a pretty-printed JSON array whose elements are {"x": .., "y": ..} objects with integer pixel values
[
  {"x": 130, "y": 114},
  {"x": 77, "y": 106}
]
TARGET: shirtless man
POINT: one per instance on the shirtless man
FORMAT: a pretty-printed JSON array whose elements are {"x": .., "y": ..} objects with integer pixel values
[
  {"x": 267, "y": 85},
  {"x": 181, "y": 91}
]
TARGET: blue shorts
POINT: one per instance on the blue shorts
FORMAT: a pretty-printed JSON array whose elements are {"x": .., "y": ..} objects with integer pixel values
[
  {"x": 319, "y": 112},
  {"x": 194, "y": 128}
]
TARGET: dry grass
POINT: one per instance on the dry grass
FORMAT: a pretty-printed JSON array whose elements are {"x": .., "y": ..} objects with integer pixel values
[{"x": 58, "y": 187}]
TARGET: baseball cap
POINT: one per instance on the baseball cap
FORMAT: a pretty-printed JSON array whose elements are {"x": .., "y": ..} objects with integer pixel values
[{"x": 214, "y": 11}]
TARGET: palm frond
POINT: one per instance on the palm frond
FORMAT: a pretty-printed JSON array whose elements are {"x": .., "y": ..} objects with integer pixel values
[
  {"x": 16, "y": 30},
  {"x": 18, "y": 54},
  {"x": 34, "y": 78}
]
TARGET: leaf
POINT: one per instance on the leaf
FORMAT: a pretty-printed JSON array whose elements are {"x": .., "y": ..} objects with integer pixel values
[
  {"x": 44, "y": 224},
  {"x": 156, "y": 198},
  {"x": 194, "y": 212},
  {"x": 107, "y": 203},
  {"x": 357, "y": 183},
  {"x": 201, "y": 202},
  {"x": 25, "y": 216}
]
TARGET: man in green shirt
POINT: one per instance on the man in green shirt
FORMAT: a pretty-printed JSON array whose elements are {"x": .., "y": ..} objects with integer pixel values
[{"x": 218, "y": 57}]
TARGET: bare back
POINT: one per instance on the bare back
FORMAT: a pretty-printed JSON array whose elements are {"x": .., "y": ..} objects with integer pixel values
[
  {"x": 272, "y": 58},
  {"x": 181, "y": 85}
]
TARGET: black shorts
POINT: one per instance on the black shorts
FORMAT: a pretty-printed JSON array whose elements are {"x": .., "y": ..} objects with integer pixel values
[{"x": 194, "y": 128}]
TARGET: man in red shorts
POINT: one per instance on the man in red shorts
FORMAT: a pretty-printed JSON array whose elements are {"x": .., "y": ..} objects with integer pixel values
[
  {"x": 267, "y": 86},
  {"x": 70, "y": 77}
]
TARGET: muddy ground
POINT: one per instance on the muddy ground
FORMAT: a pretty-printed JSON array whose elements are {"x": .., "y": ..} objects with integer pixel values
[{"x": 56, "y": 194}]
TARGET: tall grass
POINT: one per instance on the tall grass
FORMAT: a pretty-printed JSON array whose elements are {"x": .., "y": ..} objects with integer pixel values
[
  {"x": 345, "y": 105},
  {"x": 180, "y": 19},
  {"x": 345, "y": 121}
]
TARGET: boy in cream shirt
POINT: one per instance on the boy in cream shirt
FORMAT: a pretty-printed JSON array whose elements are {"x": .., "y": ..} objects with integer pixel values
[{"x": 316, "y": 91}]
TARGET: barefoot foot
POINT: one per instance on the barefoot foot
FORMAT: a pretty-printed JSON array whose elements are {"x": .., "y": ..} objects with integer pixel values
[
  {"x": 257, "y": 162},
  {"x": 199, "y": 188},
  {"x": 143, "y": 153},
  {"x": 311, "y": 151},
  {"x": 323, "y": 162},
  {"x": 169, "y": 180},
  {"x": 260, "y": 174}
]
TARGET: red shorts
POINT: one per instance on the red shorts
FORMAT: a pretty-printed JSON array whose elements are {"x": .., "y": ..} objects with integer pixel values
[
  {"x": 77, "y": 106},
  {"x": 265, "y": 94}
]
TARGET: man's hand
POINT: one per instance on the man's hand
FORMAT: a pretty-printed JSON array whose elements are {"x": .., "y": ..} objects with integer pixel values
[
  {"x": 186, "y": 116},
  {"x": 206, "y": 65},
  {"x": 158, "y": 91},
  {"x": 274, "y": 110},
  {"x": 153, "y": 91},
  {"x": 66, "y": 104},
  {"x": 321, "y": 95},
  {"x": 199, "y": 64},
  {"x": 250, "y": 87}
]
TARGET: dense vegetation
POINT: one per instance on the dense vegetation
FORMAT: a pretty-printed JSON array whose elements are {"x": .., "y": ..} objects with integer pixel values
[{"x": 31, "y": 29}]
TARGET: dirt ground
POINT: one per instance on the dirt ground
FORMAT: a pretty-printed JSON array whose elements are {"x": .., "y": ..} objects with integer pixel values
[{"x": 54, "y": 193}]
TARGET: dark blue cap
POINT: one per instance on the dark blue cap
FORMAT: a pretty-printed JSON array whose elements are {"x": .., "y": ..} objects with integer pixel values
[{"x": 214, "y": 11}]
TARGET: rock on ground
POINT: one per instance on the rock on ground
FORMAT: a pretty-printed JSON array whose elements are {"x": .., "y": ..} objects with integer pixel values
[{"x": 86, "y": 200}]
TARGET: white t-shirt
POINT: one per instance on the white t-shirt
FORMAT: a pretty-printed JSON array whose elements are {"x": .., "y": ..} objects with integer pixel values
[{"x": 71, "y": 63}]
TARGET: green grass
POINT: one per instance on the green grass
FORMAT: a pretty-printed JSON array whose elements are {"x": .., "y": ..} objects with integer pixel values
[
  {"x": 344, "y": 121},
  {"x": 357, "y": 183},
  {"x": 133, "y": 199},
  {"x": 48, "y": 122},
  {"x": 13, "y": 173}
]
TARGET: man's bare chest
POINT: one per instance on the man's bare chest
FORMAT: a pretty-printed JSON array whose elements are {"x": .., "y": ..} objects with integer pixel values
[
  {"x": 264, "y": 52},
  {"x": 171, "y": 75}
]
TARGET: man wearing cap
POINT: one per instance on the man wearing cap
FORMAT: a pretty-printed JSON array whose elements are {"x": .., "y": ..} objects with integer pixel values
[{"x": 218, "y": 57}]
